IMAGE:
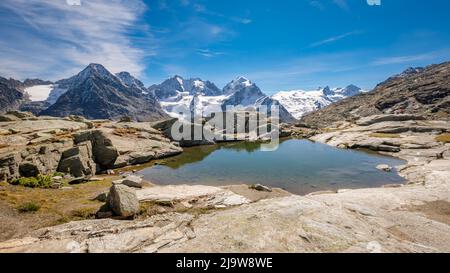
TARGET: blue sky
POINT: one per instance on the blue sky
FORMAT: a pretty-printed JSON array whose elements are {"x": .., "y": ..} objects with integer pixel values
[{"x": 280, "y": 45}]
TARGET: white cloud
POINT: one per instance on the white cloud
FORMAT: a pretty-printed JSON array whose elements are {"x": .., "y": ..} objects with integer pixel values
[
  {"x": 335, "y": 38},
  {"x": 342, "y": 4},
  {"x": 317, "y": 4},
  {"x": 402, "y": 59},
  {"x": 209, "y": 53},
  {"x": 53, "y": 39}
]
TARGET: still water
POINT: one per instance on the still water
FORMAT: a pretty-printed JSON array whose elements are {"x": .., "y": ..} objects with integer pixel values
[{"x": 298, "y": 166}]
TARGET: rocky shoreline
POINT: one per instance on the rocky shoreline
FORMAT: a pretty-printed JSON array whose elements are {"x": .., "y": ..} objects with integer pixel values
[{"x": 395, "y": 218}]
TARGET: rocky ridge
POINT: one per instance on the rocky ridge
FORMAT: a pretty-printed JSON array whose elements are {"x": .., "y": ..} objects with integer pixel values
[{"x": 424, "y": 92}]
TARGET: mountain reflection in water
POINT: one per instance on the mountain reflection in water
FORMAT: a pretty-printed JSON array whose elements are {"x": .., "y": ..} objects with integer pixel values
[{"x": 299, "y": 166}]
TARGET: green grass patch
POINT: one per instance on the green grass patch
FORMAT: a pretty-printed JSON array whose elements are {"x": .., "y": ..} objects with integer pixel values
[
  {"x": 29, "y": 207},
  {"x": 384, "y": 135},
  {"x": 41, "y": 181},
  {"x": 443, "y": 138}
]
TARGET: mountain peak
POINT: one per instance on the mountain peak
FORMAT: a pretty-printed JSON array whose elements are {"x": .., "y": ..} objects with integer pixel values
[
  {"x": 243, "y": 80},
  {"x": 94, "y": 69},
  {"x": 237, "y": 84},
  {"x": 412, "y": 70},
  {"x": 129, "y": 80},
  {"x": 327, "y": 91}
]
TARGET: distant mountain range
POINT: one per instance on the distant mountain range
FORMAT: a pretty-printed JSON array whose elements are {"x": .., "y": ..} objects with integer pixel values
[
  {"x": 95, "y": 93},
  {"x": 300, "y": 102},
  {"x": 203, "y": 97}
]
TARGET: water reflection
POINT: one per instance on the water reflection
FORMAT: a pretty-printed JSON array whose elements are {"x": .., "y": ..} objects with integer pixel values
[{"x": 299, "y": 166}]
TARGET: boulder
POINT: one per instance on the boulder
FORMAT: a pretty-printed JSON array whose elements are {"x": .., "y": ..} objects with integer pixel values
[
  {"x": 384, "y": 167},
  {"x": 133, "y": 181},
  {"x": 122, "y": 200},
  {"x": 446, "y": 154},
  {"x": 78, "y": 161},
  {"x": 104, "y": 153}
]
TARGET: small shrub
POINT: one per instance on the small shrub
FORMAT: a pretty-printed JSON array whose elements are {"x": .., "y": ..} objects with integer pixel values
[
  {"x": 83, "y": 213},
  {"x": 384, "y": 135},
  {"x": 443, "y": 138},
  {"x": 41, "y": 181},
  {"x": 29, "y": 207},
  {"x": 58, "y": 174}
]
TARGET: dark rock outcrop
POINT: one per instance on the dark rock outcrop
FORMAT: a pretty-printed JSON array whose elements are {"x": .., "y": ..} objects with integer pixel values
[{"x": 11, "y": 95}]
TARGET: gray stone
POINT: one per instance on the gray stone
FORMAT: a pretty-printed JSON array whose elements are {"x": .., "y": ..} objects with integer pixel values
[
  {"x": 56, "y": 185},
  {"x": 388, "y": 148},
  {"x": 123, "y": 200},
  {"x": 102, "y": 197},
  {"x": 133, "y": 181},
  {"x": 384, "y": 167},
  {"x": 57, "y": 178},
  {"x": 104, "y": 214},
  {"x": 260, "y": 187}
]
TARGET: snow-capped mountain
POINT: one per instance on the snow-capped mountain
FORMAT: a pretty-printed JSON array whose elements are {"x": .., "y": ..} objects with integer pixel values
[
  {"x": 177, "y": 87},
  {"x": 300, "y": 102},
  {"x": 242, "y": 93},
  {"x": 95, "y": 93},
  {"x": 128, "y": 80},
  {"x": 180, "y": 98}
]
